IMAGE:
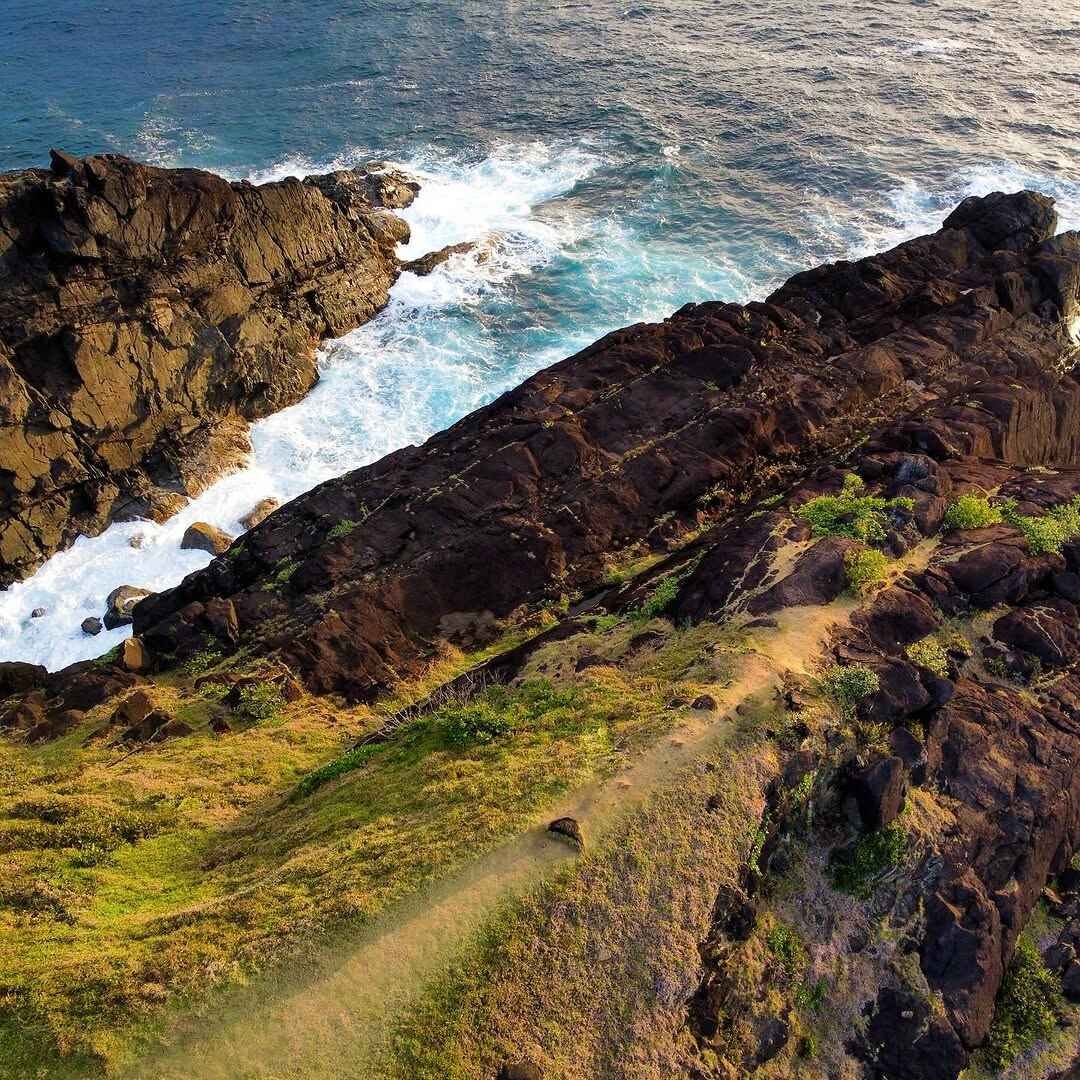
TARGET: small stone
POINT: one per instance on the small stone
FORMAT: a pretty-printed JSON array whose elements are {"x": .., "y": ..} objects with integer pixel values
[
  {"x": 568, "y": 827},
  {"x": 704, "y": 701},
  {"x": 38, "y": 613},
  {"x": 91, "y": 626}
]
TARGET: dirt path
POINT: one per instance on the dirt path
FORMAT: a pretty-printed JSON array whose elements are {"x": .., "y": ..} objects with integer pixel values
[{"x": 328, "y": 1018}]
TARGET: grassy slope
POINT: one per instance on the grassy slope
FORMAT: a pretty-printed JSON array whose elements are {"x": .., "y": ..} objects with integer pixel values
[{"x": 135, "y": 884}]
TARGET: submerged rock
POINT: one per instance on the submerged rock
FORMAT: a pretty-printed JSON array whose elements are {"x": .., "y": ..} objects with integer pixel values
[{"x": 259, "y": 513}]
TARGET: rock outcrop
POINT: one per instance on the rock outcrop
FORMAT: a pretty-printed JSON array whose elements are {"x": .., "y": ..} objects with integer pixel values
[
  {"x": 648, "y": 432},
  {"x": 147, "y": 314}
]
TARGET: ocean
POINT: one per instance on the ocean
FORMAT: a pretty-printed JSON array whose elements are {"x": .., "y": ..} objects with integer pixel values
[{"x": 616, "y": 160}]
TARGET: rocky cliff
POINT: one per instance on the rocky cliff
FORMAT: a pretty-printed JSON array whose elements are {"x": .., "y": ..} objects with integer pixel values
[
  {"x": 648, "y": 433},
  {"x": 821, "y": 553},
  {"x": 147, "y": 314}
]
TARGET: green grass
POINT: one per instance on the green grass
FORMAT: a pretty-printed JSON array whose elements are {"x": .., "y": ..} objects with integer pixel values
[
  {"x": 259, "y": 701},
  {"x": 852, "y": 512},
  {"x": 787, "y": 949}
]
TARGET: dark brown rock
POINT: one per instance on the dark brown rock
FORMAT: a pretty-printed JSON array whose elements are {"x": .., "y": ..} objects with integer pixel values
[
  {"x": 568, "y": 827},
  {"x": 147, "y": 314},
  {"x": 879, "y": 790},
  {"x": 91, "y": 626},
  {"x": 522, "y": 1070}
]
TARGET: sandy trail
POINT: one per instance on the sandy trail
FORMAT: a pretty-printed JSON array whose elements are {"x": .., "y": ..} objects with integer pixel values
[{"x": 329, "y": 1017}]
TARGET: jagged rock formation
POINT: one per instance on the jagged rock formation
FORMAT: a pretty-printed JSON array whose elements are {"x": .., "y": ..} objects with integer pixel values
[
  {"x": 647, "y": 431},
  {"x": 147, "y": 314}
]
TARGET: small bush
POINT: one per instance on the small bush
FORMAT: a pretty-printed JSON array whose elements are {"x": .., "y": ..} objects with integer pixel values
[
  {"x": 1045, "y": 533},
  {"x": 855, "y": 870},
  {"x": 851, "y": 513},
  {"x": 259, "y": 701},
  {"x": 350, "y": 760},
  {"x": 930, "y": 654},
  {"x": 971, "y": 511},
  {"x": 865, "y": 568},
  {"x": 203, "y": 661},
  {"x": 789, "y": 951},
  {"x": 847, "y": 686},
  {"x": 342, "y": 528},
  {"x": 1025, "y": 1006},
  {"x": 477, "y": 722},
  {"x": 811, "y": 995}
]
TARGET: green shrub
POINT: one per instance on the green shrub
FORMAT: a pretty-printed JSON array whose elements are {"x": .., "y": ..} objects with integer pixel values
[
  {"x": 789, "y": 951},
  {"x": 1045, "y": 533},
  {"x": 930, "y": 654},
  {"x": 855, "y": 870},
  {"x": 811, "y": 995},
  {"x": 847, "y": 686},
  {"x": 350, "y": 760},
  {"x": 259, "y": 701},
  {"x": 203, "y": 661},
  {"x": 851, "y": 513},
  {"x": 1025, "y": 1006},
  {"x": 865, "y": 568},
  {"x": 971, "y": 511},
  {"x": 499, "y": 710},
  {"x": 342, "y": 528}
]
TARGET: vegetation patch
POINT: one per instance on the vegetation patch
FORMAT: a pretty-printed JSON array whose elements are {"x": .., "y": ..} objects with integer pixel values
[
  {"x": 259, "y": 701},
  {"x": 1045, "y": 533},
  {"x": 1025, "y": 1006},
  {"x": 929, "y": 653},
  {"x": 342, "y": 528},
  {"x": 857, "y": 869},
  {"x": 852, "y": 512},
  {"x": 971, "y": 511},
  {"x": 865, "y": 567},
  {"x": 846, "y": 686}
]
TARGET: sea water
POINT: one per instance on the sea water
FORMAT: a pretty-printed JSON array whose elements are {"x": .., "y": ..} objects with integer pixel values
[{"x": 614, "y": 161}]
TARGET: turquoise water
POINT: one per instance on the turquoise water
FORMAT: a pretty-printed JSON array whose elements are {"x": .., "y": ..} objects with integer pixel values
[{"x": 615, "y": 160}]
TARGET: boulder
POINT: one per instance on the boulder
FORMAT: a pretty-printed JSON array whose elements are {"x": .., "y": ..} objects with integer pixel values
[
  {"x": 202, "y": 536},
  {"x": 120, "y": 605},
  {"x": 16, "y": 677},
  {"x": 522, "y": 1070},
  {"x": 133, "y": 655},
  {"x": 134, "y": 708},
  {"x": 568, "y": 827},
  {"x": 152, "y": 726},
  {"x": 54, "y": 725},
  {"x": 38, "y": 613},
  {"x": 878, "y": 791},
  {"x": 259, "y": 513},
  {"x": 426, "y": 263},
  {"x": 91, "y": 626}
]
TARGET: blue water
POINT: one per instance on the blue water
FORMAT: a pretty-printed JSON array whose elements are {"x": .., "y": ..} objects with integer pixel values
[{"x": 616, "y": 159}]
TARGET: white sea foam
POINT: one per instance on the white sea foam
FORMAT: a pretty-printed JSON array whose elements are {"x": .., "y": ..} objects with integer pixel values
[
  {"x": 936, "y": 46},
  {"x": 419, "y": 365}
]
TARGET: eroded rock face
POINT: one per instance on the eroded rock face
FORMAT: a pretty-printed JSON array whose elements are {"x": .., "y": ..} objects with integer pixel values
[
  {"x": 147, "y": 314},
  {"x": 646, "y": 431}
]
